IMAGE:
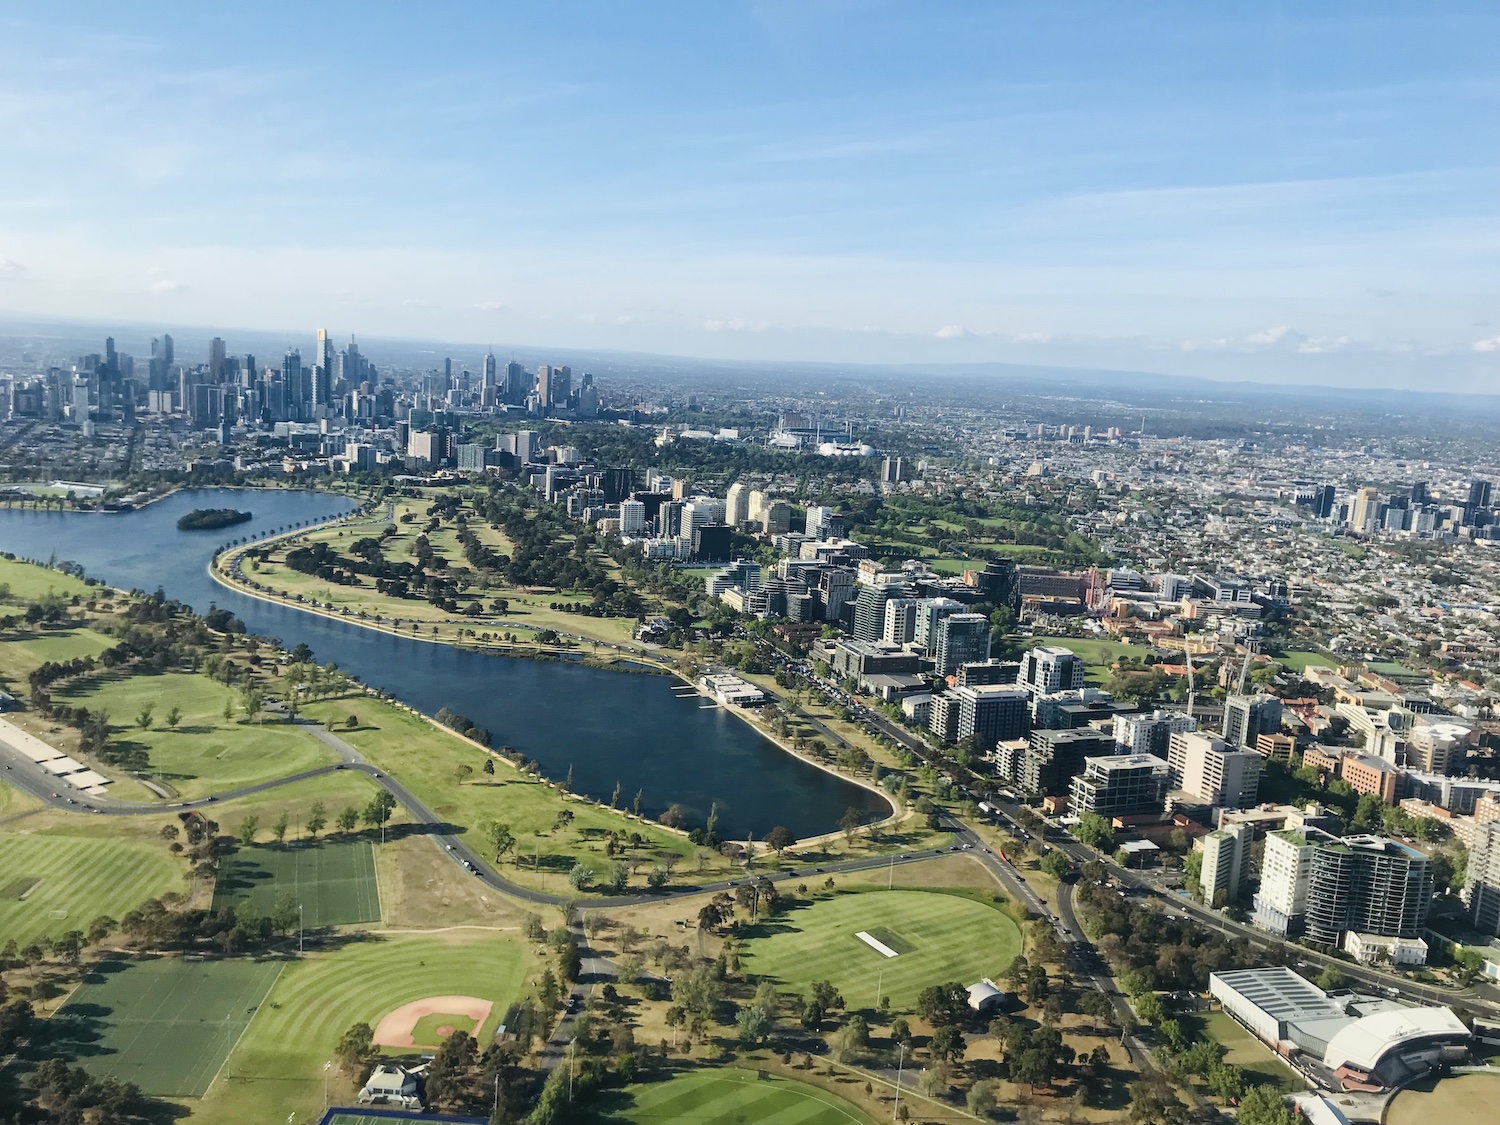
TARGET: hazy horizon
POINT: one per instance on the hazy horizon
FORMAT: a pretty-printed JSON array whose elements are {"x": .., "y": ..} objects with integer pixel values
[{"x": 1256, "y": 194}]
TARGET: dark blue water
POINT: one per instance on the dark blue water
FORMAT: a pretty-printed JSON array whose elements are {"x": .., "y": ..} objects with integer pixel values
[{"x": 605, "y": 726}]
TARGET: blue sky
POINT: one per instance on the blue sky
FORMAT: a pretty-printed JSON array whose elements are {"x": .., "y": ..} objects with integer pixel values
[{"x": 1231, "y": 190}]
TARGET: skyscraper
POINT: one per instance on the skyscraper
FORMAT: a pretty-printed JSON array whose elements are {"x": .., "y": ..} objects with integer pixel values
[
  {"x": 216, "y": 357},
  {"x": 1366, "y": 509},
  {"x": 1367, "y": 885},
  {"x": 962, "y": 638}
]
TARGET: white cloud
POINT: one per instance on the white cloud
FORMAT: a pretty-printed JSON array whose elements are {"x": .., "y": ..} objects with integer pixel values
[
  {"x": 1269, "y": 337},
  {"x": 416, "y": 303},
  {"x": 11, "y": 266},
  {"x": 1490, "y": 345},
  {"x": 735, "y": 325},
  {"x": 952, "y": 332},
  {"x": 168, "y": 285},
  {"x": 492, "y": 306}
]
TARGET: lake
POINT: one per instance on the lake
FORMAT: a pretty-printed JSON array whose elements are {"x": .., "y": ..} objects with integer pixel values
[{"x": 606, "y": 727}]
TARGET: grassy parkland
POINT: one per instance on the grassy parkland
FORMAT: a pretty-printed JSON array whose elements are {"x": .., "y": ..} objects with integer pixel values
[
  {"x": 727, "y": 1095},
  {"x": 53, "y": 883},
  {"x": 938, "y": 937},
  {"x": 165, "y": 1024}
]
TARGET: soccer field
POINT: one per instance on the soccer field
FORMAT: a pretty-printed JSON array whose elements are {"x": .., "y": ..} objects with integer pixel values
[
  {"x": 938, "y": 937},
  {"x": 728, "y": 1096},
  {"x": 334, "y": 880},
  {"x": 52, "y": 884},
  {"x": 1464, "y": 1099},
  {"x": 167, "y": 1025}
]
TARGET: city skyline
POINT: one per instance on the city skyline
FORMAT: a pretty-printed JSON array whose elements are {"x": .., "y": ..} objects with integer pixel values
[{"x": 1269, "y": 197}]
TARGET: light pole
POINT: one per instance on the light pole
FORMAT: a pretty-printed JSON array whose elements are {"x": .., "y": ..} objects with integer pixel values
[
  {"x": 891, "y": 873},
  {"x": 300, "y": 927},
  {"x": 900, "y": 1062},
  {"x": 879, "y": 986},
  {"x": 570, "y": 1066},
  {"x": 326, "y": 1067}
]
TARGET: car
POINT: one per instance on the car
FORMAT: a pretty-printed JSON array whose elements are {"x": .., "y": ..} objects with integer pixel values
[
  {"x": 57, "y": 794},
  {"x": 342, "y": 766},
  {"x": 212, "y": 798},
  {"x": 449, "y": 847}
]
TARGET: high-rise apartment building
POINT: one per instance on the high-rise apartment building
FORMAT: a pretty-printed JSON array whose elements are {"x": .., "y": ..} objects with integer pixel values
[
  {"x": 1248, "y": 716},
  {"x": 901, "y": 620},
  {"x": 1366, "y": 509},
  {"x": 1366, "y": 885},
  {"x": 990, "y": 714},
  {"x": 1285, "y": 869},
  {"x": 1119, "y": 785},
  {"x": 1050, "y": 668},
  {"x": 737, "y": 504},
  {"x": 1226, "y": 864},
  {"x": 933, "y": 610},
  {"x": 962, "y": 638},
  {"x": 1151, "y": 733},
  {"x": 1482, "y": 880},
  {"x": 1207, "y": 770}
]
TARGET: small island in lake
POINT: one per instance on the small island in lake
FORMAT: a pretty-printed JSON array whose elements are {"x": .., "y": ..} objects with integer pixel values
[{"x": 207, "y": 519}]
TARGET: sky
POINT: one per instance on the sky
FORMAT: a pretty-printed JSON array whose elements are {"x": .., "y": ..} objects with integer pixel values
[{"x": 1279, "y": 192}]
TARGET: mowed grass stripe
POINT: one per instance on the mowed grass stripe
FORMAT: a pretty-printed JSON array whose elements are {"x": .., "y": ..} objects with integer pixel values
[
  {"x": 333, "y": 879},
  {"x": 168, "y": 1025},
  {"x": 729, "y": 1097},
  {"x": 80, "y": 877},
  {"x": 277, "y": 1065},
  {"x": 952, "y": 938}
]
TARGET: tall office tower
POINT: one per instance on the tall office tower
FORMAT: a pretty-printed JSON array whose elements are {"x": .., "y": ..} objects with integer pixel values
[
  {"x": 1048, "y": 668},
  {"x": 292, "y": 382},
  {"x": 216, "y": 358},
  {"x": 1213, "y": 773},
  {"x": 1482, "y": 881},
  {"x": 617, "y": 484},
  {"x": 1001, "y": 581},
  {"x": 1366, "y": 510},
  {"x": 900, "y": 620},
  {"x": 1478, "y": 500},
  {"x": 1419, "y": 494},
  {"x": 1226, "y": 864},
  {"x": 1248, "y": 716},
  {"x": 544, "y": 385},
  {"x": 516, "y": 384},
  {"x": 560, "y": 386},
  {"x": 1323, "y": 502},
  {"x": 488, "y": 387},
  {"x": 962, "y": 638},
  {"x": 167, "y": 353},
  {"x": 247, "y": 370},
  {"x": 447, "y": 371},
  {"x": 1367, "y": 885},
  {"x": 737, "y": 504}
]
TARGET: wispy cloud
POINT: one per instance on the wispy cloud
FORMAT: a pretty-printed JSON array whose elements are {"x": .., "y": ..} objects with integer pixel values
[{"x": 168, "y": 285}]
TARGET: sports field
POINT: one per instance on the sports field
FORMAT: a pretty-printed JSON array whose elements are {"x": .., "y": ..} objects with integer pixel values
[
  {"x": 333, "y": 879},
  {"x": 1464, "y": 1099},
  {"x": 938, "y": 937},
  {"x": 52, "y": 884},
  {"x": 167, "y": 1024},
  {"x": 727, "y": 1095},
  {"x": 278, "y": 1066},
  {"x": 1247, "y": 1052}
]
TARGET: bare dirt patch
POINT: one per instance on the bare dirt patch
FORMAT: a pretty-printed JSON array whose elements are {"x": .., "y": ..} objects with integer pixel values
[{"x": 395, "y": 1028}]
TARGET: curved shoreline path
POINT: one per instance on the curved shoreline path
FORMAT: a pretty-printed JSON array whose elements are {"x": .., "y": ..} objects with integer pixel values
[
  {"x": 30, "y": 778},
  {"x": 604, "y": 726}
]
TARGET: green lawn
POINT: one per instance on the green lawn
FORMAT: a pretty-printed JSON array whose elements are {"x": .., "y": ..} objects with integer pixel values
[
  {"x": 205, "y": 753},
  {"x": 1258, "y": 1061},
  {"x": 278, "y": 1066},
  {"x": 30, "y": 583},
  {"x": 1096, "y": 652},
  {"x": 165, "y": 1024},
  {"x": 333, "y": 879},
  {"x": 728, "y": 1096},
  {"x": 68, "y": 881},
  {"x": 1300, "y": 661},
  {"x": 424, "y": 758},
  {"x": 24, "y": 650},
  {"x": 950, "y": 937}
]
